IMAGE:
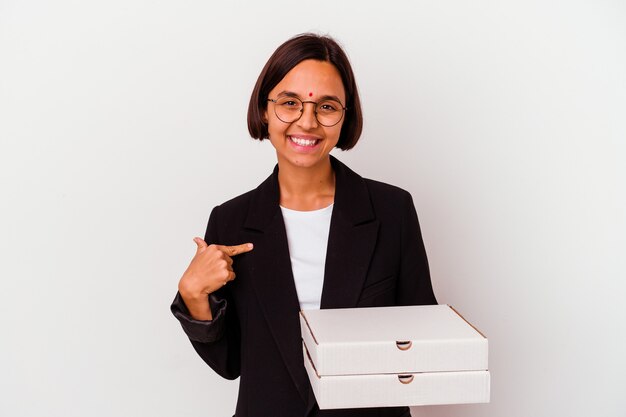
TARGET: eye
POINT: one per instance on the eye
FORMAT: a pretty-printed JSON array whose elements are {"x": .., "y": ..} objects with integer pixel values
[
  {"x": 328, "y": 107},
  {"x": 288, "y": 102}
]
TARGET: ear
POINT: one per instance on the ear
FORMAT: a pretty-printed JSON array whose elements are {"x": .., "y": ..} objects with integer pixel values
[{"x": 264, "y": 118}]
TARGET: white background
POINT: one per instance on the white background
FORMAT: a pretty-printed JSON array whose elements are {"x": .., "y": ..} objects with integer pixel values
[{"x": 122, "y": 123}]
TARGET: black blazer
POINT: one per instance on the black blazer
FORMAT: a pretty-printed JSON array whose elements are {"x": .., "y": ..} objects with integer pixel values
[{"x": 375, "y": 257}]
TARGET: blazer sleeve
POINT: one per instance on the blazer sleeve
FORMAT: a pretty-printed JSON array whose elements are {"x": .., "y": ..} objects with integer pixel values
[
  {"x": 414, "y": 286},
  {"x": 217, "y": 341}
]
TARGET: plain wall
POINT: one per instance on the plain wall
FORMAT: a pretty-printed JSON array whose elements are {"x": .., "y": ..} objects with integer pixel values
[{"x": 122, "y": 123}]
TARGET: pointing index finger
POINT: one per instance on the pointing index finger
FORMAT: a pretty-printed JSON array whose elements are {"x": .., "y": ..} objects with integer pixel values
[{"x": 237, "y": 249}]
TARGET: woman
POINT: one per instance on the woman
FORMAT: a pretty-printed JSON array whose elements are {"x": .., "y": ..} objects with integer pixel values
[{"x": 312, "y": 235}]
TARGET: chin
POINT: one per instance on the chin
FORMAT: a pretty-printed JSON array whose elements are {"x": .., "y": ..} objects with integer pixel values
[{"x": 305, "y": 161}]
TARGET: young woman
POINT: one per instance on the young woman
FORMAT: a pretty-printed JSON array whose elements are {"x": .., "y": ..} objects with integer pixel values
[{"x": 314, "y": 234}]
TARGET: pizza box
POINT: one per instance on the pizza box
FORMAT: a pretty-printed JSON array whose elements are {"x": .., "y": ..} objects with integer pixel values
[{"x": 394, "y": 356}]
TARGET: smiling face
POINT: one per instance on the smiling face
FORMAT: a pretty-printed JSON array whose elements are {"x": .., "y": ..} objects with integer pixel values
[{"x": 305, "y": 143}]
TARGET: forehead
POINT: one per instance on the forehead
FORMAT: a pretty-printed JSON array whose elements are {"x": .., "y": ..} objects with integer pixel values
[{"x": 310, "y": 76}]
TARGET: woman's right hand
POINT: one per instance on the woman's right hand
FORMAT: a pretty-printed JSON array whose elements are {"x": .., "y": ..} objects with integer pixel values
[{"x": 210, "y": 269}]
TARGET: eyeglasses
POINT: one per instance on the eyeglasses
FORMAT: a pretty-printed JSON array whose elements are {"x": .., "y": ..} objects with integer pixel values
[{"x": 328, "y": 112}]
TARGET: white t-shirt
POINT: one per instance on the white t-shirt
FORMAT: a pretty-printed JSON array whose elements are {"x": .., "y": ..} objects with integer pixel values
[{"x": 307, "y": 236}]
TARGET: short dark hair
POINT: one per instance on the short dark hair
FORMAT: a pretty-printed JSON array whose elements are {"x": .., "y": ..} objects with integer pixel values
[{"x": 288, "y": 55}]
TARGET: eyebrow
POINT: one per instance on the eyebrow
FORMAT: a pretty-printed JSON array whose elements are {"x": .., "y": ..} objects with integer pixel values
[{"x": 322, "y": 98}]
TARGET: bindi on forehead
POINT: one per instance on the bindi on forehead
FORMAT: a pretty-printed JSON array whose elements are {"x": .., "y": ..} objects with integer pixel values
[{"x": 310, "y": 94}]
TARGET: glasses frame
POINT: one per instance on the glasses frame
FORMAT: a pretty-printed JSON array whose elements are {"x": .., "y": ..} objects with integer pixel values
[{"x": 315, "y": 103}]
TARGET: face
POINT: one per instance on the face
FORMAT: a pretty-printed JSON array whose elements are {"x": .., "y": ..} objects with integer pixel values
[{"x": 305, "y": 143}]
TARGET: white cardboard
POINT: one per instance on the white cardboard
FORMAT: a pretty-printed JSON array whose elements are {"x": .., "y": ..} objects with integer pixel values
[
  {"x": 386, "y": 390},
  {"x": 363, "y": 340},
  {"x": 353, "y": 357}
]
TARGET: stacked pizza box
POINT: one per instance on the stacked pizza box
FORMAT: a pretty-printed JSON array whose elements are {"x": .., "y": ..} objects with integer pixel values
[{"x": 394, "y": 356}]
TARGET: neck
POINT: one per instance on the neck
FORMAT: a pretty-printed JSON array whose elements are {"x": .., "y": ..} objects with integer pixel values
[{"x": 306, "y": 189}]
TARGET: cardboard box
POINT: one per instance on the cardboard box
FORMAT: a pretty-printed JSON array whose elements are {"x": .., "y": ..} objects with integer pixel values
[{"x": 393, "y": 356}]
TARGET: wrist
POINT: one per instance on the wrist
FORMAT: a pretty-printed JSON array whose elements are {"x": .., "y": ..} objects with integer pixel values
[{"x": 197, "y": 304}]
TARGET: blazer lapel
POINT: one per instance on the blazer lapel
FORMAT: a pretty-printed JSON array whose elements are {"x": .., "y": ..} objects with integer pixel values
[
  {"x": 272, "y": 277},
  {"x": 351, "y": 241}
]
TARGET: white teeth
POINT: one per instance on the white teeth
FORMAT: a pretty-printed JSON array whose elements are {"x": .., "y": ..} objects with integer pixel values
[{"x": 303, "y": 142}]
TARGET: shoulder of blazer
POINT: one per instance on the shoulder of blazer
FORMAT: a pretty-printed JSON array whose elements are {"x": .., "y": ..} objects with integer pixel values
[
  {"x": 256, "y": 203},
  {"x": 381, "y": 190}
]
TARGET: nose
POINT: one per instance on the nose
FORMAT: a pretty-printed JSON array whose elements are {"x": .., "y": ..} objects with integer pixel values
[{"x": 308, "y": 119}]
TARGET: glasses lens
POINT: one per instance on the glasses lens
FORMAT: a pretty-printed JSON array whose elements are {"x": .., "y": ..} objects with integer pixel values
[
  {"x": 288, "y": 109},
  {"x": 329, "y": 112}
]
